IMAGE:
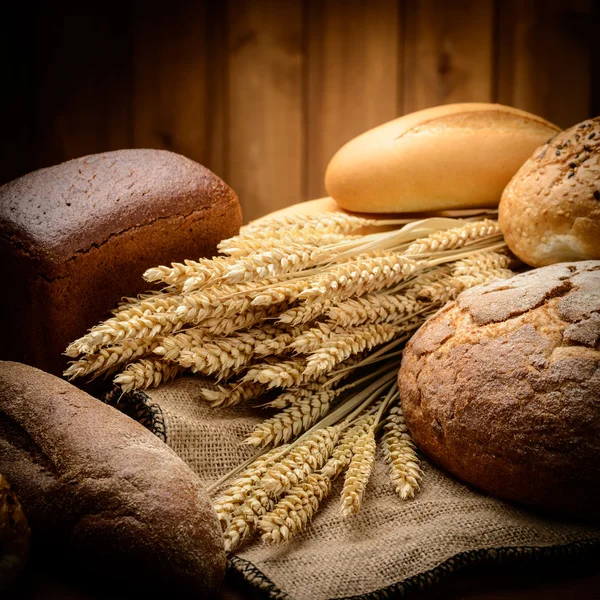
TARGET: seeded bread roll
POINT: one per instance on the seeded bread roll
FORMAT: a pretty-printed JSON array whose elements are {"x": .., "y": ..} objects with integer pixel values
[
  {"x": 502, "y": 388},
  {"x": 550, "y": 210},
  {"x": 76, "y": 237},
  {"x": 448, "y": 157},
  {"x": 103, "y": 494}
]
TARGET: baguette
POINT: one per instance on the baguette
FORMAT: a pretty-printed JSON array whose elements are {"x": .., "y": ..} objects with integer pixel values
[{"x": 447, "y": 157}]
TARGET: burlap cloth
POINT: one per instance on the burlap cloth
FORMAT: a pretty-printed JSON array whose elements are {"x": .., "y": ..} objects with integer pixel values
[{"x": 392, "y": 546}]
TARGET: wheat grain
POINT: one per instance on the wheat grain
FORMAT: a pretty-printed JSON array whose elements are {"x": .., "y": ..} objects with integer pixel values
[
  {"x": 480, "y": 261},
  {"x": 239, "y": 489},
  {"x": 342, "y": 453},
  {"x": 340, "y": 346},
  {"x": 294, "y": 511},
  {"x": 399, "y": 452},
  {"x": 146, "y": 373},
  {"x": 373, "y": 308},
  {"x": 311, "y": 339},
  {"x": 359, "y": 277},
  {"x": 454, "y": 238},
  {"x": 294, "y": 419},
  {"x": 219, "y": 357},
  {"x": 244, "y": 520},
  {"x": 108, "y": 359},
  {"x": 299, "y": 315},
  {"x": 290, "y": 240},
  {"x": 359, "y": 471},
  {"x": 285, "y": 373},
  {"x": 334, "y": 222},
  {"x": 233, "y": 393},
  {"x": 278, "y": 343},
  {"x": 170, "y": 347},
  {"x": 301, "y": 461},
  {"x": 178, "y": 274}
]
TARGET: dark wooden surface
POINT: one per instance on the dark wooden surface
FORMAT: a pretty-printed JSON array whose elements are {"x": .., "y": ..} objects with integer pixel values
[
  {"x": 263, "y": 92},
  {"x": 574, "y": 579}
]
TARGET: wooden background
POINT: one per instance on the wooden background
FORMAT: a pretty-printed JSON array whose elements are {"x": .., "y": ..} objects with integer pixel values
[{"x": 263, "y": 92}]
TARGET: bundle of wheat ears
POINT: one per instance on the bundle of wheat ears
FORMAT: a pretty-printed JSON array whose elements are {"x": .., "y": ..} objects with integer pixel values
[{"x": 306, "y": 316}]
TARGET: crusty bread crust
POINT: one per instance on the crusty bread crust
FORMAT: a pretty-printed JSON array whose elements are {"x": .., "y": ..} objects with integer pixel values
[
  {"x": 446, "y": 157},
  {"x": 502, "y": 388},
  {"x": 550, "y": 210},
  {"x": 103, "y": 492},
  {"x": 77, "y": 237}
]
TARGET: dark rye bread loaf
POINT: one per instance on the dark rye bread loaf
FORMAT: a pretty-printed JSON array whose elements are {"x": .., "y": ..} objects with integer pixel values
[
  {"x": 102, "y": 494},
  {"x": 502, "y": 388},
  {"x": 77, "y": 237}
]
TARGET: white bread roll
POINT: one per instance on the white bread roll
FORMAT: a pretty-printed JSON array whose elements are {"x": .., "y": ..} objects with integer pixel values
[
  {"x": 447, "y": 157},
  {"x": 550, "y": 211}
]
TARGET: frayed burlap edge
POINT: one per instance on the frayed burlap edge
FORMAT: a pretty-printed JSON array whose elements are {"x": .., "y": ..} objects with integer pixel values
[
  {"x": 428, "y": 579},
  {"x": 139, "y": 406}
]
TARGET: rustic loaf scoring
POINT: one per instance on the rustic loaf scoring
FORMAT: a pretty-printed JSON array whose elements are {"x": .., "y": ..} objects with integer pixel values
[
  {"x": 103, "y": 493},
  {"x": 76, "y": 237},
  {"x": 502, "y": 388}
]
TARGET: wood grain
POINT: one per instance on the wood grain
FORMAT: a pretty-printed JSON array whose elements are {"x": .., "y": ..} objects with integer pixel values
[
  {"x": 352, "y": 76},
  {"x": 171, "y": 99},
  {"x": 448, "y": 52},
  {"x": 265, "y": 124},
  {"x": 544, "y": 57},
  {"x": 83, "y": 88}
]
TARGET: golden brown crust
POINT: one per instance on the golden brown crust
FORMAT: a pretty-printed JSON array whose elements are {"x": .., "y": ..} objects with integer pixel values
[
  {"x": 101, "y": 488},
  {"x": 447, "y": 157},
  {"x": 550, "y": 210},
  {"x": 502, "y": 388}
]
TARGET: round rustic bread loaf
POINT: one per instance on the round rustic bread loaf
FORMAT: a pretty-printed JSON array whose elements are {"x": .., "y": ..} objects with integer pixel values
[
  {"x": 103, "y": 493},
  {"x": 550, "y": 210},
  {"x": 446, "y": 157},
  {"x": 502, "y": 388}
]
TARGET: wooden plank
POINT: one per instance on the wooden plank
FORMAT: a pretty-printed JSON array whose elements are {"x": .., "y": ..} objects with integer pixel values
[
  {"x": 353, "y": 76},
  {"x": 265, "y": 134},
  {"x": 83, "y": 90},
  {"x": 170, "y": 96},
  {"x": 448, "y": 52},
  {"x": 545, "y": 57}
]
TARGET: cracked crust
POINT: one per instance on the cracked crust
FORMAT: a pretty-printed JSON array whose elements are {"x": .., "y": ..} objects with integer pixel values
[
  {"x": 99, "y": 487},
  {"x": 65, "y": 231},
  {"x": 502, "y": 388},
  {"x": 550, "y": 210}
]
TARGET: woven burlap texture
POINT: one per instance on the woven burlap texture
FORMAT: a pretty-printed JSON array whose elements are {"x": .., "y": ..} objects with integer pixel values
[{"x": 388, "y": 543}]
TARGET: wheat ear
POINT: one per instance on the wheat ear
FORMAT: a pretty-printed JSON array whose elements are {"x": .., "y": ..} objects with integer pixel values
[
  {"x": 233, "y": 393},
  {"x": 359, "y": 471},
  {"x": 108, "y": 359},
  {"x": 295, "y": 510},
  {"x": 239, "y": 490},
  {"x": 243, "y": 521},
  {"x": 399, "y": 452},
  {"x": 301, "y": 461},
  {"x": 146, "y": 373}
]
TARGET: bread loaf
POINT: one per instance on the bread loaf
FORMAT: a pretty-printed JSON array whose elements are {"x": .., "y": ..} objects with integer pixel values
[
  {"x": 14, "y": 536},
  {"x": 103, "y": 493},
  {"x": 447, "y": 157},
  {"x": 550, "y": 210},
  {"x": 76, "y": 237},
  {"x": 502, "y": 388}
]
